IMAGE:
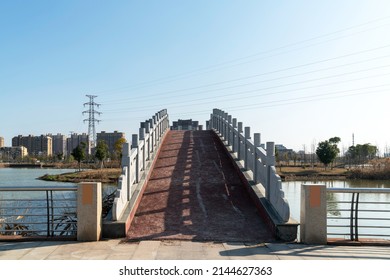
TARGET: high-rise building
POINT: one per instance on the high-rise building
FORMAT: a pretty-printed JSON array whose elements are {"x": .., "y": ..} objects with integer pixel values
[
  {"x": 12, "y": 153},
  {"x": 1, "y": 142},
  {"x": 110, "y": 138},
  {"x": 76, "y": 139},
  {"x": 59, "y": 144},
  {"x": 35, "y": 145}
]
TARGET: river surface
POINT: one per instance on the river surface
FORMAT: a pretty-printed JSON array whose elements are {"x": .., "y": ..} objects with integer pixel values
[
  {"x": 292, "y": 191},
  {"x": 27, "y": 177}
]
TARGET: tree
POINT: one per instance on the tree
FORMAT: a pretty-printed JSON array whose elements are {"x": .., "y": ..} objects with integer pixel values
[
  {"x": 360, "y": 154},
  {"x": 101, "y": 152},
  {"x": 327, "y": 150},
  {"x": 78, "y": 153},
  {"x": 118, "y": 147}
]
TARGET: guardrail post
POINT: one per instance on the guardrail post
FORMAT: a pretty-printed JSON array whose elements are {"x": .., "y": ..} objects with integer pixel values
[
  {"x": 239, "y": 140},
  {"x": 142, "y": 138},
  {"x": 134, "y": 144},
  {"x": 256, "y": 143},
  {"x": 247, "y": 137},
  {"x": 151, "y": 135},
  {"x": 234, "y": 136},
  {"x": 229, "y": 130},
  {"x": 270, "y": 162},
  {"x": 126, "y": 150},
  {"x": 89, "y": 211},
  {"x": 313, "y": 214}
]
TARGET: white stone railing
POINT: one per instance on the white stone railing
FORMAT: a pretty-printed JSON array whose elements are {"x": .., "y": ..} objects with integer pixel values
[
  {"x": 259, "y": 161},
  {"x": 136, "y": 158}
]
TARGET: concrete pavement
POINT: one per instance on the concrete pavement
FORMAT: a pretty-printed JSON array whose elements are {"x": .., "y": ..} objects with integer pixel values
[{"x": 115, "y": 249}]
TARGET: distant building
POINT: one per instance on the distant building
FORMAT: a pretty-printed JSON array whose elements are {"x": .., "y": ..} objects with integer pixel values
[
  {"x": 12, "y": 153},
  {"x": 59, "y": 144},
  {"x": 282, "y": 149},
  {"x": 186, "y": 125},
  {"x": 1, "y": 142},
  {"x": 75, "y": 139},
  {"x": 110, "y": 138},
  {"x": 35, "y": 145}
]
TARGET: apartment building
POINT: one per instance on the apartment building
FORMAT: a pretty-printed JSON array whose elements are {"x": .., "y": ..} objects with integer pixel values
[{"x": 110, "y": 138}]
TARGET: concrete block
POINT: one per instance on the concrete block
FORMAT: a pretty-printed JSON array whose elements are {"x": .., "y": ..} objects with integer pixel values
[
  {"x": 89, "y": 211},
  {"x": 313, "y": 214}
]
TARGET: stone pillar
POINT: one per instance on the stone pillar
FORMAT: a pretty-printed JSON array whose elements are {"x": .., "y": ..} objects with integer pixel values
[
  {"x": 239, "y": 140},
  {"x": 270, "y": 162},
  {"x": 229, "y": 134},
  {"x": 247, "y": 137},
  {"x": 313, "y": 214},
  {"x": 234, "y": 145},
  {"x": 89, "y": 211},
  {"x": 142, "y": 138},
  {"x": 256, "y": 143},
  {"x": 126, "y": 150},
  {"x": 134, "y": 144}
]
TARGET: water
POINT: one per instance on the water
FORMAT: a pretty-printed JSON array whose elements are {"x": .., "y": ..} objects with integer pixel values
[
  {"x": 29, "y": 208},
  {"x": 292, "y": 192},
  {"x": 25, "y": 177}
]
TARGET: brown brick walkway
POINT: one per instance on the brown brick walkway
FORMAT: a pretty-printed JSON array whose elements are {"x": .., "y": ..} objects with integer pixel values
[{"x": 194, "y": 193}]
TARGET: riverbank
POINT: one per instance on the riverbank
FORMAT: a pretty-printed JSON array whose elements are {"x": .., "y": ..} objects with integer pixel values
[
  {"x": 298, "y": 173},
  {"x": 107, "y": 175}
]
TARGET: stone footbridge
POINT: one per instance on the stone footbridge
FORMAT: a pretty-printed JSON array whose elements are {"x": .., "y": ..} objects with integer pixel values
[{"x": 210, "y": 185}]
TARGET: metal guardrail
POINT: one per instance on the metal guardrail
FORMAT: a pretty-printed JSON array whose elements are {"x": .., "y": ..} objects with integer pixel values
[
  {"x": 38, "y": 211},
  {"x": 359, "y": 213}
]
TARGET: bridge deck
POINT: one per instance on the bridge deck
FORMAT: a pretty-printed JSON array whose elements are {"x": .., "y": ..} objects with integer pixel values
[{"x": 194, "y": 193}]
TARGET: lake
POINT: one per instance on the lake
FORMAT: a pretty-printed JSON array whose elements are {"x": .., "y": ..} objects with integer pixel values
[{"x": 292, "y": 191}]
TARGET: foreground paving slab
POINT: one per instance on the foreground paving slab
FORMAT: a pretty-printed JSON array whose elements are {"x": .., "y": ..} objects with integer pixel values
[{"x": 185, "y": 250}]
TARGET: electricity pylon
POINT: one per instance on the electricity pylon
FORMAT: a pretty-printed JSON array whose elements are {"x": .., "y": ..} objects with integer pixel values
[{"x": 91, "y": 119}]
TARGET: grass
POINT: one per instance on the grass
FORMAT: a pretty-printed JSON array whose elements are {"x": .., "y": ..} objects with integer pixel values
[
  {"x": 294, "y": 172},
  {"x": 107, "y": 175}
]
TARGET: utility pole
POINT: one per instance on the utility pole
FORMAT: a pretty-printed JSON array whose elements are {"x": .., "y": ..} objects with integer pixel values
[{"x": 91, "y": 119}]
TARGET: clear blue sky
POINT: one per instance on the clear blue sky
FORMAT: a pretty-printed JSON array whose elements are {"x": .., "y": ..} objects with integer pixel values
[{"x": 298, "y": 72}]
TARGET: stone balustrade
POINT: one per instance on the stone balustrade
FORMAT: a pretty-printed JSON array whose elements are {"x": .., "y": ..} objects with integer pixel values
[
  {"x": 258, "y": 160},
  {"x": 136, "y": 157}
]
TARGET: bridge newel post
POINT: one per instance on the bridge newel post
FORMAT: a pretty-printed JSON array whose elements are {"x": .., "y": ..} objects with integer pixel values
[
  {"x": 229, "y": 130},
  {"x": 221, "y": 125},
  {"x": 134, "y": 144},
  {"x": 151, "y": 135},
  {"x": 89, "y": 211},
  {"x": 142, "y": 138},
  {"x": 155, "y": 120},
  {"x": 147, "y": 139},
  {"x": 239, "y": 140},
  {"x": 234, "y": 136},
  {"x": 313, "y": 214},
  {"x": 126, "y": 150},
  {"x": 270, "y": 162},
  {"x": 247, "y": 137},
  {"x": 256, "y": 142},
  {"x": 221, "y": 122},
  {"x": 226, "y": 127}
]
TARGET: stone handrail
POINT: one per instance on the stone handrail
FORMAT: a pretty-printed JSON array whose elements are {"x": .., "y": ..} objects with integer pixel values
[
  {"x": 259, "y": 161},
  {"x": 136, "y": 157}
]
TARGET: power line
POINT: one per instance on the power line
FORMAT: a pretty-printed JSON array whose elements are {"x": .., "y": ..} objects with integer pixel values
[
  {"x": 218, "y": 66},
  {"x": 132, "y": 99}
]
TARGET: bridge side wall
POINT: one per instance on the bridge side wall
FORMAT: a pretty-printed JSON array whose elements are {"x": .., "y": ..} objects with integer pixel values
[
  {"x": 258, "y": 162},
  {"x": 136, "y": 157}
]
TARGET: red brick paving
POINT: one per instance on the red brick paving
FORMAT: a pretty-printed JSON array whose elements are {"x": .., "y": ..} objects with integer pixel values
[{"x": 194, "y": 193}]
